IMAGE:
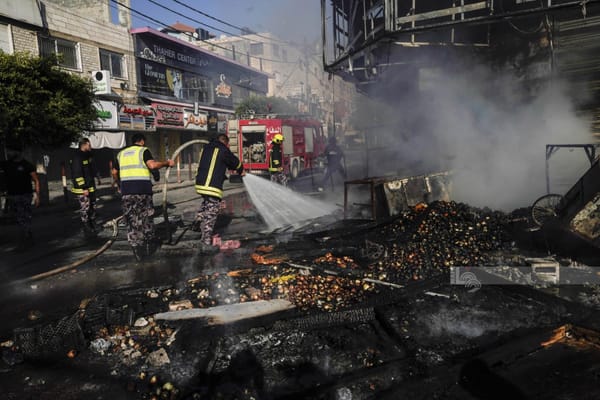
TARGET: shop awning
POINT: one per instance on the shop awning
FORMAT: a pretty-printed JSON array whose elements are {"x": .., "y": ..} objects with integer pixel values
[
  {"x": 191, "y": 105},
  {"x": 104, "y": 139}
]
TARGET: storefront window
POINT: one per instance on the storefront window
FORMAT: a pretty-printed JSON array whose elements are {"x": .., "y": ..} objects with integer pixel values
[{"x": 197, "y": 88}]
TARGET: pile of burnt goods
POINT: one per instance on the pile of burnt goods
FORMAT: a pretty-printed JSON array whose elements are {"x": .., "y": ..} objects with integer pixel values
[{"x": 338, "y": 266}]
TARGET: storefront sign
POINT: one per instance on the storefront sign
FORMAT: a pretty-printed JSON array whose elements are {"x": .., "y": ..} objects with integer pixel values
[
  {"x": 107, "y": 115},
  {"x": 136, "y": 117},
  {"x": 195, "y": 121},
  {"x": 223, "y": 89},
  {"x": 168, "y": 115}
]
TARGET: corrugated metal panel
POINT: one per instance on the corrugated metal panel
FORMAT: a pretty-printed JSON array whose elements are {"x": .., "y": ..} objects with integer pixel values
[{"x": 577, "y": 58}]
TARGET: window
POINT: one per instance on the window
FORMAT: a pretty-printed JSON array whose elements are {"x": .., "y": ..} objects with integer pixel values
[
  {"x": 284, "y": 54},
  {"x": 256, "y": 49},
  {"x": 276, "y": 50},
  {"x": 67, "y": 52},
  {"x": 113, "y": 62},
  {"x": 5, "y": 38},
  {"x": 197, "y": 88}
]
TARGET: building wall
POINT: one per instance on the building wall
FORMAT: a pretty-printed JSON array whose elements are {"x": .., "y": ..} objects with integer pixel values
[
  {"x": 90, "y": 25},
  {"x": 24, "y": 40}
]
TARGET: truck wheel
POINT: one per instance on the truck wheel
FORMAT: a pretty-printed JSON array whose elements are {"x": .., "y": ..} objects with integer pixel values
[{"x": 294, "y": 171}]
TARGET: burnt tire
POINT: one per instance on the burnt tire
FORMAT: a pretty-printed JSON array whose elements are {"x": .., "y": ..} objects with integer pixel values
[{"x": 545, "y": 208}]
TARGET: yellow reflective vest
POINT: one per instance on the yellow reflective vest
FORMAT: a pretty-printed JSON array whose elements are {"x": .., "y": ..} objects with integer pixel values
[{"x": 131, "y": 164}]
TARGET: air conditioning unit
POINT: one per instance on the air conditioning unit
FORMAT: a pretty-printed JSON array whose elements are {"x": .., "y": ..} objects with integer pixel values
[{"x": 101, "y": 81}]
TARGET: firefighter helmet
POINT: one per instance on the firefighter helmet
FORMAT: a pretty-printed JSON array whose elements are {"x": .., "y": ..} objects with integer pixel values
[{"x": 278, "y": 138}]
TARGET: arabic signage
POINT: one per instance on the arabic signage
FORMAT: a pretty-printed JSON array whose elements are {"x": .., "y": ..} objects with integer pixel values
[
  {"x": 168, "y": 115},
  {"x": 195, "y": 121},
  {"x": 107, "y": 115},
  {"x": 223, "y": 89},
  {"x": 136, "y": 117}
]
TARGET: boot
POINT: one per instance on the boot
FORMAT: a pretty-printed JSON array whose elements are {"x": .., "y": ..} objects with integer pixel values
[
  {"x": 208, "y": 249},
  {"x": 139, "y": 252},
  {"x": 88, "y": 232},
  {"x": 151, "y": 246},
  {"x": 93, "y": 226},
  {"x": 25, "y": 241}
]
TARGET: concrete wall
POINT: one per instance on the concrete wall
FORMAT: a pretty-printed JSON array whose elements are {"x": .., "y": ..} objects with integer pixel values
[{"x": 24, "y": 40}]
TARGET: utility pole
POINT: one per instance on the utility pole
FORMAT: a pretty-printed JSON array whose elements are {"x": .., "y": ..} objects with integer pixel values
[{"x": 306, "y": 85}]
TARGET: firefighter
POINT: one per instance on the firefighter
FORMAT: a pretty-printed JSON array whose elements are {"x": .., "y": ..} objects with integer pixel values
[
  {"x": 84, "y": 187},
  {"x": 132, "y": 170},
  {"x": 276, "y": 160},
  {"x": 215, "y": 159},
  {"x": 334, "y": 155}
]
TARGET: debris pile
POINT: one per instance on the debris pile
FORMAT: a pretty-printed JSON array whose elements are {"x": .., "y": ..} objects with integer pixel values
[{"x": 427, "y": 240}]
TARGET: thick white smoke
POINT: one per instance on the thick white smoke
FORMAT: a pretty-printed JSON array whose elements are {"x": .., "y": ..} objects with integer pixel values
[{"x": 490, "y": 131}]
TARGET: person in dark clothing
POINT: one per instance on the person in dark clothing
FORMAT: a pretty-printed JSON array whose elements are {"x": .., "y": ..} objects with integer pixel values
[
  {"x": 334, "y": 155},
  {"x": 132, "y": 170},
  {"x": 215, "y": 160},
  {"x": 84, "y": 186},
  {"x": 276, "y": 160},
  {"x": 20, "y": 174}
]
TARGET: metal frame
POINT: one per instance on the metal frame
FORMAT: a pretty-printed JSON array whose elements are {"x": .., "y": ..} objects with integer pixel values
[
  {"x": 551, "y": 149},
  {"x": 354, "y": 46}
]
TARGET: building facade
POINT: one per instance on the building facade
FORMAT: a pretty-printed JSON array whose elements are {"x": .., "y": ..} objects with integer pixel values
[
  {"x": 145, "y": 80},
  {"x": 295, "y": 74}
]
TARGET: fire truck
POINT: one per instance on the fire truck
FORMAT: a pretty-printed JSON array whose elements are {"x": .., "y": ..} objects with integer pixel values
[{"x": 250, "y": 139}]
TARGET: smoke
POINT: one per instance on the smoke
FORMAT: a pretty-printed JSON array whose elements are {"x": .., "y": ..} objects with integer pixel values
[
  {"x": 291, "y": 19},
  {"x": 487, "y": 128}
]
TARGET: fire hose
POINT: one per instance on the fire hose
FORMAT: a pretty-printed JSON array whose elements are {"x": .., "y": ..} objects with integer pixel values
[
  {"x": 114, "y": 223},
  {"x": 165, "y": 186}
]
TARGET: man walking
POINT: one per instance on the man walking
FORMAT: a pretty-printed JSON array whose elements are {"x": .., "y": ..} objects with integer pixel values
[
  {"x": 215, "y": 159},
  {"x": 20, "y": 174},
  {"x": 84, "y": 186},
  {"x": 276, "y": 160},
  {"x": 133, "y": 169}
]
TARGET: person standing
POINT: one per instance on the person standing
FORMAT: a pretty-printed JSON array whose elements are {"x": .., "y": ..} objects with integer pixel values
[
  {"x": 276, "y": 160},
  {"x": 215, "y": 160},
  {"x": 334, "y": 155},
  {"x": 83, "y": 174},
  {"x": 20, "y": 174},
  {"x": 133, "y": 170}
]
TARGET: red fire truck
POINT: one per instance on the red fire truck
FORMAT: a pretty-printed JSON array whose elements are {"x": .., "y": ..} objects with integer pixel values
[{"x": 250, "y": 139}]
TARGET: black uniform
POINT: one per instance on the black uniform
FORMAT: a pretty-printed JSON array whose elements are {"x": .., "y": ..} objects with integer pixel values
[
  {"x": 215, "y": 160},
  {"x": 276, "y": 165},
  {"x": 19, "y": 190},
  {"x": 82, "y": 178}
]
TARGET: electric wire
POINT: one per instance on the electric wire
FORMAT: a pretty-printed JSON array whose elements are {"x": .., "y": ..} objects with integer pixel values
[
  {"x": 156, "y": 21},
  {"x": 229, "y": 24}
]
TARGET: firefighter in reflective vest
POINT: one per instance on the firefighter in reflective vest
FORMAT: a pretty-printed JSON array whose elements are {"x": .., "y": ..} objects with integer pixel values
[
  {"x": 215, "y": 160},
  {"x": 276, "y": 160},
  {"x": 132, "y": 170},
  {"x": 84, "y": 187}
]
